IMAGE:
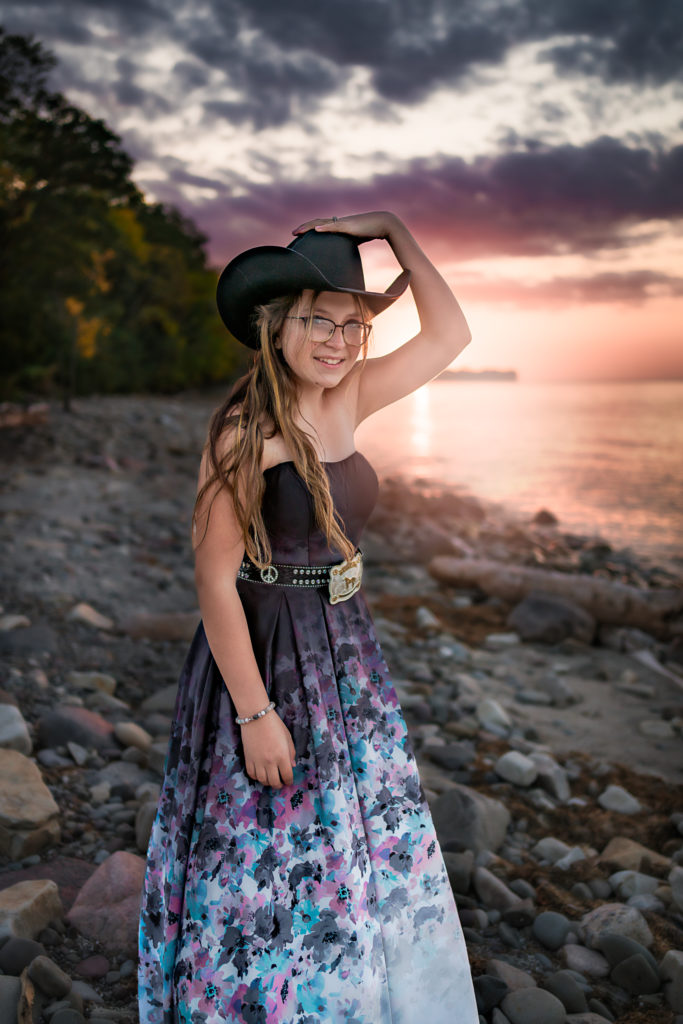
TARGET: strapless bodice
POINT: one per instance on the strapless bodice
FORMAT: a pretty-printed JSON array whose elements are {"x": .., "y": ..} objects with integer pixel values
[{"x": 288, "y": 509}]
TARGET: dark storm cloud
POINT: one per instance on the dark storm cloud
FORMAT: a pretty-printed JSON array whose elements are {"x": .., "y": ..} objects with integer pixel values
[
  {"x": 282, "y": 59},
  {"x": 544, "y": 201},
  {"x": 629, "y": 288}
]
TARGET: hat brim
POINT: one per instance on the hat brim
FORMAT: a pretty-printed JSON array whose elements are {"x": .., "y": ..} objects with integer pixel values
[{"x": 268, "y": 271}]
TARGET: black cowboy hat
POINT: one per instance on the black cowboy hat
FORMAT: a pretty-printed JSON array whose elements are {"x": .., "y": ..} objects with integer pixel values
[{"x": 325, "y": 261}]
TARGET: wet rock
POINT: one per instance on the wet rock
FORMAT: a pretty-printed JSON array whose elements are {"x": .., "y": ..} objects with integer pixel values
[
  {"x": 68, "y": 722},
  {"x": 130, "y": 734},
  {"x": 492, "y": 716},
  {"x": 615, "y": 917},
  {"x": 618, "y": 947},
  {"x": 99, "y": 682},
  {"x": 489, "y": 992},
  {"x": 675, "y": 880},
  {"x": 671, "y": 972},
  {"x": 468, "y": 820},
  {"x": 166, "y": 626},
  {"x": 50, "y": 978},
  {"x": 95, "y": 966},
  {"x": 632, "y": 883},
  {"x": 67, "y": 1015},
  {"x": 533, "y": 1006},
  {"x": 636, "y": 975},
  {"x": 516, "y": 768},
  {"x": 492, "y": 891},
  {"x": 564, "y": 985},
  {"x": 550, "y": 849},
  {"x": 459, "y": 867},
  {"x": 10, "y": 994},
  {"x": 551, "y": 776},
  {"x": 28, "y": 907},
  {"x": 144, "y": 819},
  {"x": 29, "y": 640},
  {"x": 17, "y": 953},
  {"x": 546, "y": 618},
  {"x": 551, "y": 929},
  {"x": 14, "y": 734},
  {"x": 107, "y": 907},
  {"x": 83, "y": 612},
  {"x": 163, "y": 700},
  {"x": 616, "y": 798},
  {"x": 627, "y": 855},
  {"x": 28, "y": 813},
  {"x": 513, "y": 977}
]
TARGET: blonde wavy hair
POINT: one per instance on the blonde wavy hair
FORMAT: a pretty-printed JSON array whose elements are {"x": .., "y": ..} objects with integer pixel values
[{"x": 267, "y": 393}]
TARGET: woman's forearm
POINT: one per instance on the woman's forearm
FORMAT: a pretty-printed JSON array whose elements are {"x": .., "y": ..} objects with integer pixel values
[{"x": 227, "y": 632}]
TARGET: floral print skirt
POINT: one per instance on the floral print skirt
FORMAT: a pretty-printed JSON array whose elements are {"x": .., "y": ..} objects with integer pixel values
[{"x": 324, "y": 901}]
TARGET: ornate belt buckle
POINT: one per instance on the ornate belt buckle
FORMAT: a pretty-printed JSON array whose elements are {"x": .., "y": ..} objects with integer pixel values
[{"x": 345, "y": 578}]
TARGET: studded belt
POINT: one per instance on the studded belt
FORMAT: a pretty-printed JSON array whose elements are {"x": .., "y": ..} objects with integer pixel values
[{"x": 342, "y": 579}]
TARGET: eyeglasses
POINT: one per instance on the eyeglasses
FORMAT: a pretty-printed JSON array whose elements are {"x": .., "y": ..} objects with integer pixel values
[{"x": 354, "y": 332}]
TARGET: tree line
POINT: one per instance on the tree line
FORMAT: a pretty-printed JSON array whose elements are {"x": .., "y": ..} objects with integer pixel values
[{"x": 100, "y": 290}]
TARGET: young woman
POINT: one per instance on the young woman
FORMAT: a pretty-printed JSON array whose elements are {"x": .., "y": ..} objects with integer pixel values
[{"x": 293, "y": 871}]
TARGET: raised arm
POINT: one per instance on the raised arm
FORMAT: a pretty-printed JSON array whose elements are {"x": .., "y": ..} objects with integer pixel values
[
  {"x": 444, "y": 331},
  {"x": 268, "y": 748}
]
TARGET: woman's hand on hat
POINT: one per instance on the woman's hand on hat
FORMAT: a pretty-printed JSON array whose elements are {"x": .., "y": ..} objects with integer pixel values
[{"x": 378, "y": 224}]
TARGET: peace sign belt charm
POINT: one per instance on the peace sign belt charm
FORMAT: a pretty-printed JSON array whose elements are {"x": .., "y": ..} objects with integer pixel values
[{"x": 269, "y": 574}]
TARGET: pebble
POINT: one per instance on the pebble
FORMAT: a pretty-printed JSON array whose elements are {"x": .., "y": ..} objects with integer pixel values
[
  {"x": 671, "y": 972},
  {"x": 564, "y": 985},
  {"x": 533, "y": 1006},
  {"x": 636, "y": 975},
  {"x": 14, "y": 732},
  {"x": 516, "y": 768},
  {"x": 83, "y": 612},
  {"x": 50, "y": 978},
  {"x": 492, "y": 891},
  {"x": 616, "y": 798},
  {"x": 492, "y": 716},
  {"x": 551, "y": 928},
  {"x": 550, "y": 849}
]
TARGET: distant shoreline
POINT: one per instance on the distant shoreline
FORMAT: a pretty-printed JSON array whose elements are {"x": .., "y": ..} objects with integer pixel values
[{"x": 503, "y": 375}]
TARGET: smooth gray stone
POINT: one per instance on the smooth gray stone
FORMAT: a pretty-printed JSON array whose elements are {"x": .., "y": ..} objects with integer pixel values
[
  {"x": 10, "y": 992},
  {"x": 596, "y": 1006},
  {"x": 564, "y": 986},
  {"x": 489, "y": 992},
  {"x": 636, "y": 975},
  {"x": 551, "y": 928},
  {"x": 533, "y": 1006},
  {"x": 49, "y": 977},
  {"x": 523, "y": 889},
  {"x": 616, "y": 948},
  {"x": 18, "y": 953},
  {"x": 69, "y": 1016}
]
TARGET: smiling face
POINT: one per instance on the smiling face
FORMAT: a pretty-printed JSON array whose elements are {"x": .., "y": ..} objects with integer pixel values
[{"x": 320, "y": 364}]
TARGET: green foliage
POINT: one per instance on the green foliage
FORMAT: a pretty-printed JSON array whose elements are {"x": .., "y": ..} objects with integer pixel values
[{"x": 99, "y": 290}]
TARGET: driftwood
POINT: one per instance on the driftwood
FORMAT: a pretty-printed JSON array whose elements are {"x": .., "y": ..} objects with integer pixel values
[
  {"x": 608, "y": 601},
  {"x": 13, "y": 415}
]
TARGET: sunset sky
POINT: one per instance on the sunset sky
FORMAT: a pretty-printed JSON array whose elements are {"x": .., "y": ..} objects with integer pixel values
[{"x": 534, "y": 149}]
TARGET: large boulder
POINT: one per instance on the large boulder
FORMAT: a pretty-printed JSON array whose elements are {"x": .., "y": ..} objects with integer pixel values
[
  {"x": 28, "y": 907},
  {"x": 28, "y": 812},
  {"x": 107, "y": 908}
]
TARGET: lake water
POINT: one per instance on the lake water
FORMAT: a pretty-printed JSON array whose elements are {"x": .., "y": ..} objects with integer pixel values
[{"x": 605, "y": 458}]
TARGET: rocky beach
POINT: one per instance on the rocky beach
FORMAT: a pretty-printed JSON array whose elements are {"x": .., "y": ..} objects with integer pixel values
[{"x": 540, "y": 673}]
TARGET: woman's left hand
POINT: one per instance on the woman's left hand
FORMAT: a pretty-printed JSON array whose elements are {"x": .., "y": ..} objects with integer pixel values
[{"x": 378, "y": 224}]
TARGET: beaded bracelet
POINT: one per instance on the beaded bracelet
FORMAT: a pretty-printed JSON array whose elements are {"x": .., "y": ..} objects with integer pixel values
[{"x": 259, "y": 714}]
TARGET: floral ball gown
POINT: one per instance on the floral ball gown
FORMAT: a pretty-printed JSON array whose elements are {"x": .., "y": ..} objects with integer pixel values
[{"x": 327, "y": 900}]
